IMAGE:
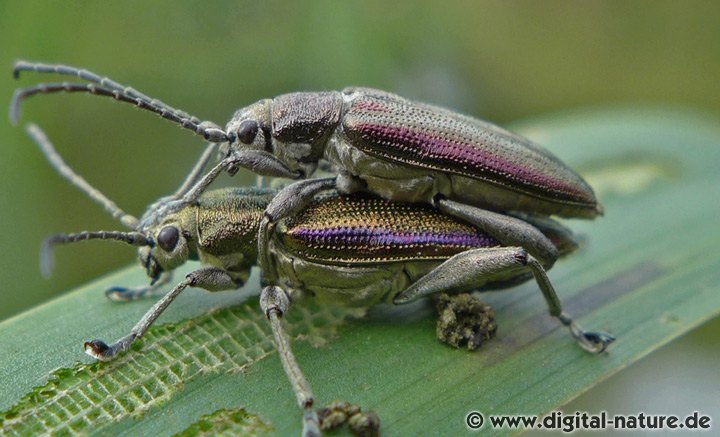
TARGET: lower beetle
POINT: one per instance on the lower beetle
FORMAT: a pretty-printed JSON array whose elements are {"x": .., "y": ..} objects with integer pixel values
[{"x": 356, "y": 250}]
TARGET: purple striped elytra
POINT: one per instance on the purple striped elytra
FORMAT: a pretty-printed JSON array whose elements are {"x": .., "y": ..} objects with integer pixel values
[{"x": 366, "y": 230}]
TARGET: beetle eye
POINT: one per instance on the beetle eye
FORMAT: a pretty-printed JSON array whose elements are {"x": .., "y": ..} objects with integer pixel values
[
  {"x": 168, "y": 238},
  {"x": 247, "y": 131}
]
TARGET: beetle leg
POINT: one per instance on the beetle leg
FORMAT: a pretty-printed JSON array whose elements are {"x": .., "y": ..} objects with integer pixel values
[
  {"x": 562, "y": 238},
  {"x": 468, "y": 270},
  {"x": 473, "y": 268},
  {"x": 348, "y": 184},
  {"x": 210, "y": 278},
  {"x": 275, "y": 302},
  {"x": 289, "y": 201},
  {"x": 510, "y": 231},
  {"x": 594, "y": 342},
  {"x": 259, "y": 160},
  {"x": 326, "y": 167},
  {"x": 192, "y": 193},
  {"x": 196, "y": 173},
  {"x": 126, "y": 294},
  {"x": 263, "y": 163}
]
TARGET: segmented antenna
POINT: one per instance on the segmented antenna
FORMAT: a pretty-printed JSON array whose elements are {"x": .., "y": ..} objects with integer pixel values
[
  {"x": 46, "y": 252},
  {"x": 68, "y": 173},
  {"x": 104, "y": 86}
]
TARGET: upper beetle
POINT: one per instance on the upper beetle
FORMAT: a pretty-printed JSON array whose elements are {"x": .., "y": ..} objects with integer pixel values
[
  {"x": 394, "y": 147},
  {"x": 410, "y": 151}
]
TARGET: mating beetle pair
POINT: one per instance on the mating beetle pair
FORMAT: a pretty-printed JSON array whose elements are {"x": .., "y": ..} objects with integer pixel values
[{"x": 377, "y": 142}]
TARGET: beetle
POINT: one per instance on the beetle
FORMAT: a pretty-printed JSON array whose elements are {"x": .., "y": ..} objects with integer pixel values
[
  {"x": 356, "y": 250},
  {"x": 381, "y": 143},
  {"x": 394, "y": 147}
]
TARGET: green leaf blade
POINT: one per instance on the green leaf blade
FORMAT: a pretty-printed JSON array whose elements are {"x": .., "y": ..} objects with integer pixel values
[{"x": 647, "y": 273}]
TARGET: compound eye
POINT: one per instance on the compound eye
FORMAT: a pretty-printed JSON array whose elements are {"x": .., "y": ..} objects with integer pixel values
[
  {"x": 168, "y": 238},
  {"x": 247, "y": 131}
]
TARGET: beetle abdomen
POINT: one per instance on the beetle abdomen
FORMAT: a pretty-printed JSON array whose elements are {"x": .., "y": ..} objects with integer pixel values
[
  {"x": 360, "y": 229},
  {"x": 425, "y": 136}
]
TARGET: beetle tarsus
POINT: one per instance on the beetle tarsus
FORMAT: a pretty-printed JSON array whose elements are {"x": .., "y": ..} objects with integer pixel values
[
  {"x": 96, "y": 347},
  {"x": 123, "y": 294},
  {"x": 598, "y": 342},
  {"x": 337, "y": 413},
  {"x": 594, "y": 342},
  {"x": 127, "y": 294},
  {"x": 101, "y": 351},
  {"x": 311, "y": 424}
]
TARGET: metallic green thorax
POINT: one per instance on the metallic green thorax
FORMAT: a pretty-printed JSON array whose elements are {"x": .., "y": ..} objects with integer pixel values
[
  {"x": 226, "y": 224},
  {"x": 227, "y": 220}
]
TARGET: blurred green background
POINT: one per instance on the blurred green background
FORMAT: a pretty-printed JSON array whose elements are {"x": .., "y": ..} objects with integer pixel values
[{"x": 500, "y": 60}]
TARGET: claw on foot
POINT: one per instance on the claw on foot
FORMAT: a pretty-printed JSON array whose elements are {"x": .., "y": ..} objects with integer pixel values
[
  {"x": 593, "y": 342},
  {"x": 596, "y": 342},
  {"x": 97, "y": 349},
  {"x": 101, "y": 351},
  {"x": 118, "y": 294},
  {"x": 125, "y": 294}
]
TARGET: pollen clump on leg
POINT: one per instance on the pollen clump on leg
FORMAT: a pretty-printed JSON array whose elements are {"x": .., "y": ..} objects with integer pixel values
[{"x": 464, "y": 321}]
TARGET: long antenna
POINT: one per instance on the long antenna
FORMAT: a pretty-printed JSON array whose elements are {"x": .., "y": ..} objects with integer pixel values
[
  {"x": 107, "y": 87},
  {"x": 46, "y": 253},
  {"x": 68, "y": 173}
]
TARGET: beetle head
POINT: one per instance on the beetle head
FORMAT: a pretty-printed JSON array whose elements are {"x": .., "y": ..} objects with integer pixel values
[
  {"x": 168, "y": 249},
  {"x": 250, "y": 128},
  {"x": 251, "y": 134}
]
